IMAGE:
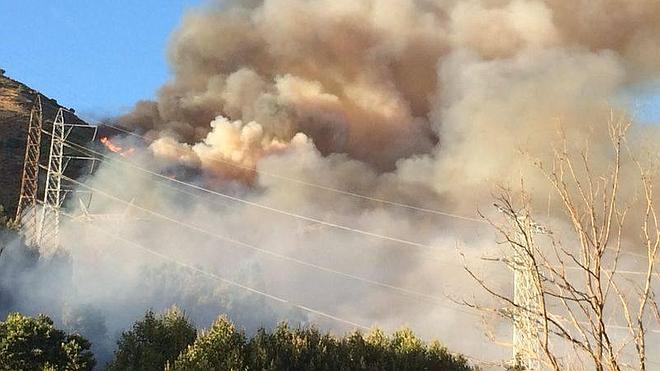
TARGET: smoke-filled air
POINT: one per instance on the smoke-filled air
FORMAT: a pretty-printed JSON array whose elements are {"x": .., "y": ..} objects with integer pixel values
[{"x": 345, "y": 156}]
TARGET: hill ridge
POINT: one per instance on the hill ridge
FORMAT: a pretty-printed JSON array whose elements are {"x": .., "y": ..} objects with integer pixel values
[{"x": 16, "y": 100}]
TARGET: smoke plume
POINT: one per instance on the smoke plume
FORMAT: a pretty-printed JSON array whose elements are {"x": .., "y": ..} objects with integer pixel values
[{"x": 428, "y": 103}]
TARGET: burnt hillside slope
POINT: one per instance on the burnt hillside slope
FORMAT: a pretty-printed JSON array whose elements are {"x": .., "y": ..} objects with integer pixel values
[{"x": 16, "y": 101}]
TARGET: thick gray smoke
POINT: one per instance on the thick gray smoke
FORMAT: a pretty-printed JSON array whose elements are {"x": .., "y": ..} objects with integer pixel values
[
  {"x": 385, "y": 80},
  {"x": 423, "y": 102},
  {"x": 443, "y": 94}
]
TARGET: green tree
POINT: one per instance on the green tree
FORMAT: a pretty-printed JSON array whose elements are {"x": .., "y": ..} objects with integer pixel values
[
  {"x": 402, "y": 351},
  {"x": 302, "y": 348},
  {"x": 439, "y": 356},
  {"x": 306, "y": 348},
  {"x": 153, "y": 342},
  {"x": 219, "y": 348},
  {"x": 28, "y": 343}
]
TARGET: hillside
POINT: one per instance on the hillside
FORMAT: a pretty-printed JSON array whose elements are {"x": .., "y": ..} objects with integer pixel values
[{"x": 16, "y": 100}]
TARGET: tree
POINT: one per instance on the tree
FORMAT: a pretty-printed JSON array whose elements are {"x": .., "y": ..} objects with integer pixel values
[
  {"x": 302, "y": 348},
  {"x": 219, "y": 348},
  {"x": 222, "y": 347},
  {"x": 402, "y": 351},
  {"x": 28, "y": 343},
  {"x": 153, "y": 341},
  {"x": 574, "y": 268}
]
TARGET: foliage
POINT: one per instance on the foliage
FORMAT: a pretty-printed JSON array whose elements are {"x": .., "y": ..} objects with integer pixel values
[
  {"x": 220, "y": 348},
  {"x": 225, "y": 348},
  {"x": 28, "y": 343},
  {"x": 153, "y": 341},
  {"x": 169, "y": 341}
]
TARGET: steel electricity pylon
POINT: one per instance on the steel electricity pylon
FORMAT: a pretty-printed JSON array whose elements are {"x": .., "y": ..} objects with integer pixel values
[
  {"x": 526, "y": 322},
  {"x": 40, "y": 227},
  {"x": 526, "y": 294},
  {"x": 49, "y": 235},
  {"x": 54, "y": 194},
  {"x": 27, "y": 216}
]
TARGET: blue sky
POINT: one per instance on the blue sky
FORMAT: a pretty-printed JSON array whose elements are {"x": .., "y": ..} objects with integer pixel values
[
  {"x": 645, "y": 103},
  {"x": 101, "y": 56},
  {"x": 98, "y": 56}
]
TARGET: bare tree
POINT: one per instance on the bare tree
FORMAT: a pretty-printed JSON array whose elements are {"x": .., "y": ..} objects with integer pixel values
[{"x": 578, "y": 296}]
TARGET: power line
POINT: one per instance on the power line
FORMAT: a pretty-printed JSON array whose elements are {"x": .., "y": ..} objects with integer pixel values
[
  {"x": 265, "y": 207},
  {"x": 574, "y": 268},
  {"x": 416, "y": 294},
  {"x": 301, "y": 307},
  {"x": 331, "y": 189},
  {"x": 329, "y": 270},
  {"x": 239, "y": 285},
  {"x": 230, "y": 282},
  {"x": 313, "y": 220},
  {"x": 319, "y": 186},
  {"x": 111, "y": 161},
  {"x": 437, "y": 300},
  {"x": 235, "y": 241},
  {"x": 107, "y": 158},
  {"x": 407, "y": 292}
]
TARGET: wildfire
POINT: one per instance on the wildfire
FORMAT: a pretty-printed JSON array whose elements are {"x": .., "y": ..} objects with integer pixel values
[{"x": 116, "y": 148}]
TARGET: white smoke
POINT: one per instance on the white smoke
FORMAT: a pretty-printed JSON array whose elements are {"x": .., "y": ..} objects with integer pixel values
[{"x": 427, "y": 103}]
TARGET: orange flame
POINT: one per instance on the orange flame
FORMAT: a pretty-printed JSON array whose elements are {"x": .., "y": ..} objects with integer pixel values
[{"x": 115, "y": 148}]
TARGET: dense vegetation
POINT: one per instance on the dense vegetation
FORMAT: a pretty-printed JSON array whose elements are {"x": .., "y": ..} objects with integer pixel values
[
  {"x": 170, "y": 342},
  {"x": 153, "y": 341},
  {"x": 35, "y": 344},
  {"x": 222, "y": 347}
]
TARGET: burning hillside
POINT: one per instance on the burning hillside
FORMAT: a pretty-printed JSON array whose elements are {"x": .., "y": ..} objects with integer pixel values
[
  {"x": 325, "y": 159},
  {"x": 16, "y": 100}
]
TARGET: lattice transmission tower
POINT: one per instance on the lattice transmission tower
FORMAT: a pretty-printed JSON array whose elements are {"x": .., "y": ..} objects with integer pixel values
[
  {"x": 27, "y": 216},
  {"x": 526, "y": 318},
  {"x": 54, "y": 194},
  {"x": 40, "y": 226},
  {"x": 49, "y": 236},
  {"x": 526, "y": 293}
]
